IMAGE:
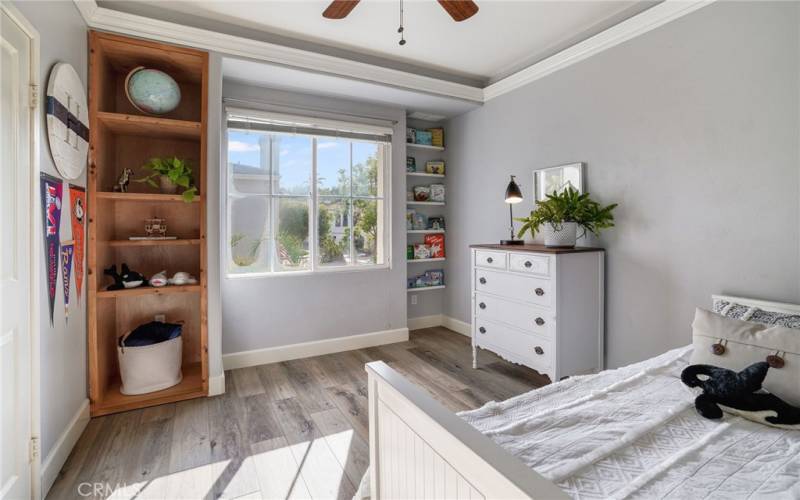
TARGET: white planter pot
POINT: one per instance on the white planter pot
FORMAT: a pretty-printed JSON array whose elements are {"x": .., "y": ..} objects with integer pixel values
[
  {"x": 564, "y": 236},
  {"x": 167, "y": 186}
]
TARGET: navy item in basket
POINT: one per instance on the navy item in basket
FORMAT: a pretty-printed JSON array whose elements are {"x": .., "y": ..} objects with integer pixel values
[{"x": 151, "y": 333}]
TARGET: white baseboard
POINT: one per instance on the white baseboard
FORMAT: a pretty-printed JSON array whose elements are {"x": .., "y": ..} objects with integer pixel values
[
  {"x": 457, "y": 326},
  {"x": 55, "y": 460},
  {"x": 307, "y": 349},
  {"x": 216, "y": 385},
  {"x": 425, "y": 322}
]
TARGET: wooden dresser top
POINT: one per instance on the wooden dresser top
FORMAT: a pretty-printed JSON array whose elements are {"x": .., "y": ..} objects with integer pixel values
[{"x": 537, "y": 248}]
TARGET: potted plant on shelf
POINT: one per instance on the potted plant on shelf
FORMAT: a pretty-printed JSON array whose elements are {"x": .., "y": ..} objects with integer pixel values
[
  {"x": 171, "y": 173},
  {"x": 559, "y": 215}
]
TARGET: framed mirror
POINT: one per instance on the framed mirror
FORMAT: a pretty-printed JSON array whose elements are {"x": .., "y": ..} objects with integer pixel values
[{"x": 547, "y": 180}]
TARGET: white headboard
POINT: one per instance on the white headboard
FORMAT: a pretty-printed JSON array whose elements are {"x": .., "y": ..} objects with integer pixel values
[{"x": 766, "y": 305}]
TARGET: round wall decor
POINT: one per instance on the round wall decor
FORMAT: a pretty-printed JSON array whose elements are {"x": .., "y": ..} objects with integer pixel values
[{"x": 67, "y": 121}]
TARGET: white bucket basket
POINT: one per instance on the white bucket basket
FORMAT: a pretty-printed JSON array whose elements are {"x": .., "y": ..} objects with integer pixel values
[{"x": 150, "y": 368}]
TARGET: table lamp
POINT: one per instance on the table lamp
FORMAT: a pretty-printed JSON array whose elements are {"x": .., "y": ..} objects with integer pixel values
[{"x": 513, "y": 195}]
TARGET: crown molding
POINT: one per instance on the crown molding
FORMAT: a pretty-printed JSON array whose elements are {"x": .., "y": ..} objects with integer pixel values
[
  {"x": 639, "y": 24},
  {"x": 101, "y": 18},
  {"x": 105, "y": 19}
]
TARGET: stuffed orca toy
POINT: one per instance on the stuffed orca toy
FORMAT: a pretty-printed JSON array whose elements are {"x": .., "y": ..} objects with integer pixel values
[
  {"x": 738, "y": 393},
  {"x": 128, "y": 278}
]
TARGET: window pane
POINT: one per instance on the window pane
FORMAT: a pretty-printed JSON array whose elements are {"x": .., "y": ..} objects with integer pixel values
[
  {"x": 248, "y": 234},
  {"x": 248, "y": 161},
  {"x": 367, "y": 231},
  {"x": 292, "y": 163},
  {"x": 333, "y": 167},
  {"x": 291, "y": 247},
  {"x": 334, "y": 232},
  {"x": 367, "y": 159}
]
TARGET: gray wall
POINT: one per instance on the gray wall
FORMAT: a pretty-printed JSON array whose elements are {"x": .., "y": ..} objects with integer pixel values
[
  {"x": 693, "y": 129},
  {"x": 63, "y": 345},
  {"x": 265, "y": 312}
]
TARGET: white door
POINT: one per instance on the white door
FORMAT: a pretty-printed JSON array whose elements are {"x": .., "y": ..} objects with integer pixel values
[{"x": 15, "y": 234}]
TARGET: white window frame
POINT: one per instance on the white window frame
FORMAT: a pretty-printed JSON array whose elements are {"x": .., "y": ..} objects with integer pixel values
[{"x": 384, "y": 176}]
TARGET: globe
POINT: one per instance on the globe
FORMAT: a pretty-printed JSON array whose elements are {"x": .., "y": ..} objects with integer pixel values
[{"x": 152, "y": 91}]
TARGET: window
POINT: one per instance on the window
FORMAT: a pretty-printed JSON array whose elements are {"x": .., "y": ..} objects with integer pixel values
[{"x": 305, "y": 194}]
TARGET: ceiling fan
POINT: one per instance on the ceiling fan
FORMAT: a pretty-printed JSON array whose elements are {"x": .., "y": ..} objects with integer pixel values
[{"x": 459, "y": 10}]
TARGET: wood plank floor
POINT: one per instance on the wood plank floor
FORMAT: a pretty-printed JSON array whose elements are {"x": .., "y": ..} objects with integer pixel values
[{"x": 291, "y": 429}]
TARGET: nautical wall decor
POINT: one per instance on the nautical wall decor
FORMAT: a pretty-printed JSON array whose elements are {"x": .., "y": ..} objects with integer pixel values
[{"x": 67, "y": 121}]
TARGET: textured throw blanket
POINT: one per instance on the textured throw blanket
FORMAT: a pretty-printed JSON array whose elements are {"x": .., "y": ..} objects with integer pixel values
[{"x": 634, "y": 433}]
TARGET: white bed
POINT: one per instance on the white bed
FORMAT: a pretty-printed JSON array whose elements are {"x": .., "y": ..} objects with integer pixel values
[{"x": 626, "y": 433}]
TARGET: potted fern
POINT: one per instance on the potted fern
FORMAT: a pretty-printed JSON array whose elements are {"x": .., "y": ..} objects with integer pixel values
[
  {"x": 171, "y": 173},
  {"x": 559, "y": 215}
]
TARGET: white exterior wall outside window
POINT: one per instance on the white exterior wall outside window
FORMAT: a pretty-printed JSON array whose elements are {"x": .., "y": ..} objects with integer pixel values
[{"x": 306, "y": 197}]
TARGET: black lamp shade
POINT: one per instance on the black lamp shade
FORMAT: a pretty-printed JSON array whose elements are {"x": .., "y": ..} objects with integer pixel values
[{"x": 513, "y": 193}]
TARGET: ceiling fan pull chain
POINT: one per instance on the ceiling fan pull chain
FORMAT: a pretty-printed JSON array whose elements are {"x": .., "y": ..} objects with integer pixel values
[{"x": 401, "y": 29}]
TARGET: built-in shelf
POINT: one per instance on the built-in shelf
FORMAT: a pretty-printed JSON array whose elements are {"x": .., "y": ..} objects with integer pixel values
[
  {"x": 425, "y": 231},
  {"x": 157, "y": 197},
  {"x": 153, "y": 243},
  {"x": 149, "y": 126},
  {"x": 149, "y": 290},
  {"x": 191, "y": 386},
  {"x": 424, "y": 146},
  {"x": 428, "y": 203},
  {"x": 424, "y": 288},
  {"x": 424, "y": 174},
  {"x": 416, "y": 261}
]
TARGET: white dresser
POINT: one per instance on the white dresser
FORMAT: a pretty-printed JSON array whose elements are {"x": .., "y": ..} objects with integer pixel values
[{"x": 539, "y": 307}]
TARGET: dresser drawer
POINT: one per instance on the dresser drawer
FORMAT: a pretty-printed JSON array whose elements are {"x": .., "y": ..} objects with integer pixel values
[
  {"x": 488, "y": 258},
  {"x": 524, "y": 288},
  {"x": 529, "y": 318},
  {"x": 536, "y": 352},
  {"x": 529, "y": 263}
]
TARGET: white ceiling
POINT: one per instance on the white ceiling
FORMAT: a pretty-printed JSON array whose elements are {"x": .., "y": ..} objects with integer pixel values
[
  {"x": 503, "y": 37},
  {"x": 280, "y": 77}
]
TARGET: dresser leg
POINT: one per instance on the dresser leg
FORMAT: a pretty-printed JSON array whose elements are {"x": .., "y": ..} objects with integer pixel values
[{"x": 474, "y": 358}]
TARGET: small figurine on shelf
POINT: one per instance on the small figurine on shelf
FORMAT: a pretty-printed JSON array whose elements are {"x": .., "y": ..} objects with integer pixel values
[
  {"x": 155, "y": 227},
  {"x": 182, "y": 278},
  {"x": 128, "y": 278},
  {"x": 411, "y": 164},
  {"x": 159, "y": 279},
  {"x": 122, "y": 181}
]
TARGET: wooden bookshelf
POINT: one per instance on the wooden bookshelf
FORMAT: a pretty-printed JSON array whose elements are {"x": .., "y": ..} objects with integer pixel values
[{"x": 123, "y": 137}]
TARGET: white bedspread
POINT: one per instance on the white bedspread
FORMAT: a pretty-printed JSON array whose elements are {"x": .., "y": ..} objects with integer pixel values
[{"x": 634, "y": 433}]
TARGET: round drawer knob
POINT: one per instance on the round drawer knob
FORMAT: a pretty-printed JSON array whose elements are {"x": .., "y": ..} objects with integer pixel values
[
  {"x": 482, "y": 330},
  {"x": 489, "y": 260},
  {"x": 482, "y": 305},
  {"x": 539, "y": 321},
  {"x": 538, "y": 350},
  {"x": 528, "y": 264},
  {"x": 775, "y": 361},
  {"x": 539, "y": 292},
  {"x": 483, "y": 281},
  {"x": 718, "y": 349}
]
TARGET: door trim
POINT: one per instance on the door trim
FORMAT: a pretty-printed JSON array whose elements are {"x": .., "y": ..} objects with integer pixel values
[{"x": 35, "y": 265}]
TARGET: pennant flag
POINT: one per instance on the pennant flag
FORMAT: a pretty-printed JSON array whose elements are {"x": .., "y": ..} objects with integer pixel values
[
  {"x": 77, "y": 198},
  {"x": 67, "y": 250},
  {"x": 51, "y": 188}
]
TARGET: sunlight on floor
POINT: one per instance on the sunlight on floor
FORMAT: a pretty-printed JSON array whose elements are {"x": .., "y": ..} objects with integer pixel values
[{"x": 275, "y": 469}]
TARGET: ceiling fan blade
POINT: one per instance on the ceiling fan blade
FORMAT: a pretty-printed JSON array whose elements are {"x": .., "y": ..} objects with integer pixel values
[
  {"x": 459, "y": 10},
  {"x": 338, "y": 9}
]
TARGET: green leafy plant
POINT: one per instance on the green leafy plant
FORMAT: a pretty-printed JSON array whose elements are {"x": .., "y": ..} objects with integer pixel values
[
  {"x": 568, "y": 206},
  {"x": 176, "y": 170}
]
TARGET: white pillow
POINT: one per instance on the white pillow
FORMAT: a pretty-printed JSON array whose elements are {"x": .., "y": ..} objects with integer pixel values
[{"x": 746, "y": 343}]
